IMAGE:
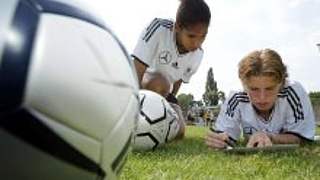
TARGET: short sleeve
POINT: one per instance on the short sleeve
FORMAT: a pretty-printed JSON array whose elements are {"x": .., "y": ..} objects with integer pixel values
[
  {"x": 228, "y": 121},
  {"x": 300, "y": 116},
  {"x": 148, "y": 42}
]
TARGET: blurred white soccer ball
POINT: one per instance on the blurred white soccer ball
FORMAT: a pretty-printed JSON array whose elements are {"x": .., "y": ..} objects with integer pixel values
[
  {"x": 68, "y": 93},
  {"x": 157, "y": 123}
]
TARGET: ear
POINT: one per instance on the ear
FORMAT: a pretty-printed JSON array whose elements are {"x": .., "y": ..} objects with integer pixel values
[
  {"x": 177, "y": 27},
  {"x": 244, "y": 86}
]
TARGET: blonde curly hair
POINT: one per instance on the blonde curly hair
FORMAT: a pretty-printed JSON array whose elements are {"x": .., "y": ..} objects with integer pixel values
[{"x": 265, "y": 62}]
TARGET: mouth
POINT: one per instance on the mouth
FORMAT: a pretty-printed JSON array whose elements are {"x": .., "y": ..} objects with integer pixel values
[
  {"x": 263, "y": 104},
  {"x": 193, "y": 49}
]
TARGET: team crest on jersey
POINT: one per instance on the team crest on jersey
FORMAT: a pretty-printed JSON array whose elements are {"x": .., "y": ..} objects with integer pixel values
[{"x": 165, "y": 57}]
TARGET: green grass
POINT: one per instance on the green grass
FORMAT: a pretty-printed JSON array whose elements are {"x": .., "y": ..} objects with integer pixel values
[{"x": 192, "y": 159}]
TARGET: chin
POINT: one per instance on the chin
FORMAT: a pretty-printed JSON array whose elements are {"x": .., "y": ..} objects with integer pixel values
[{"x": 265, "y": 108}]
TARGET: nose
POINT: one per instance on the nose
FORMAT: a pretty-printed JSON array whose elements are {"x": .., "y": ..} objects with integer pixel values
[
  {"x": 262, "y": 95},
  {"x": 197, "y": 43}
]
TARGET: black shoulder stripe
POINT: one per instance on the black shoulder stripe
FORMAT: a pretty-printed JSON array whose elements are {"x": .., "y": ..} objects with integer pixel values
[
  {"x": 154, "y": 21},
  {"x": 230, "y": 111},
  {"x": 234, "y": 102},
  {"x": 294, "y": 94},
  {"x": 236, "y": 97},
  {"x": 294, "y": 101},
  {"x": 154, "y": 26},
  {"x": 233, "y": 107},
  {"x": 298, "y": 106}
]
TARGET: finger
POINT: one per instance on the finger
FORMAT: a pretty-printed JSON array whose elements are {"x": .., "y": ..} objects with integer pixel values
[
  {"x": 261, "y": 144},
  {"x": 250, "y": 143},
  {"x": 268, "y": 143},
  {"x": 210, "y": 136},
  {"x": 222, "y": 136},
  {"x": 215, "y": 143}
]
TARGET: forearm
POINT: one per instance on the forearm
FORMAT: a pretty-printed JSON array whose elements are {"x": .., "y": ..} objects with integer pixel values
[
  {"x": 180, "y": 120},
  {"x": 176, "y": 87},
  {"x": 140, "y": 68},
  {"x": 284, "y": 139}
]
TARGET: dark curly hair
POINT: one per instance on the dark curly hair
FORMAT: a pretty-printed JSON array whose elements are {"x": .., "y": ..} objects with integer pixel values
[{"x": 191, "y": 12}]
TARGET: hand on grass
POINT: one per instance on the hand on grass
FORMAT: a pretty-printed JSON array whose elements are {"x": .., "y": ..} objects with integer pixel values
[
  {"x": 217, "y": 140},
  {"x": 259, "y": 139}
]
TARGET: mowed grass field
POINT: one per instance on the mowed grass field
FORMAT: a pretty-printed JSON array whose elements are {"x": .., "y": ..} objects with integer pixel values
[{"x": 192, "y": 159}]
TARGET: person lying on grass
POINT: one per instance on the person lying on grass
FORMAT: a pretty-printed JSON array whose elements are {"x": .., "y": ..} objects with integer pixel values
[{"x": 270, "y": 110}]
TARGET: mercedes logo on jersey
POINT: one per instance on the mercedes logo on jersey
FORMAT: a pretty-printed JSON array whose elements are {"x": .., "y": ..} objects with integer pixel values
[{"x": 165, "y": 57}]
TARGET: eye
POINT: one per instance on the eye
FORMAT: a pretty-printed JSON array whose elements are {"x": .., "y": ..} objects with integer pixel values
[{"x": 273, "y": 88}]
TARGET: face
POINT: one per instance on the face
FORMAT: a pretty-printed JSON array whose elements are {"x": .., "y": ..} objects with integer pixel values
[
  {"x": 263, "y": 91},
  {"x": 190, "y": 38}
]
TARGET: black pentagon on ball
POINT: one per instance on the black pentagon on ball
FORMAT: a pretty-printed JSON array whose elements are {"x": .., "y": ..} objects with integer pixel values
[
  {"x": 153, "y": 121},
  {"x": 153, "y": 139}
]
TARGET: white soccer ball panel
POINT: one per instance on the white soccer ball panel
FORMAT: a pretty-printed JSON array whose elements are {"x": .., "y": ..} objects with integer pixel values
[
  {"x": 174, "y": 127},
  {"x": 79, "y": 73},
  {"x": 158, "y": 107},
  {"x": 117, "y": 143},
  {"x": 157, "y": 123},
  {"x": 144, "y": 142}
]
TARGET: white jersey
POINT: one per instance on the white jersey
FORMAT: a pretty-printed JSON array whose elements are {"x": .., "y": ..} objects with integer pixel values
[
  {"x": 157, "y": 49},
  {"x": 292, "y": 113}
]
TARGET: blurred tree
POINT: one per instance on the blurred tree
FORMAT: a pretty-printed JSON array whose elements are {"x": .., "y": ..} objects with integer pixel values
[
  {"x": 198, "y": 103},
  {"x": 315, "y": 100},
  {"x": 222, "y": 96},
  {"x": 211, "y": 95},
  {"x": 315, "y": 97},
  {"x": 185, "y": 100}
]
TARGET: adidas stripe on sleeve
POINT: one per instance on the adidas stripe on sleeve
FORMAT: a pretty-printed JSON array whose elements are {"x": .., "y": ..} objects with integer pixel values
[
  {"x": 229, "y": 117},
  {"x": 148, "y": 42},
  {"x": 300, "y": 117}
]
